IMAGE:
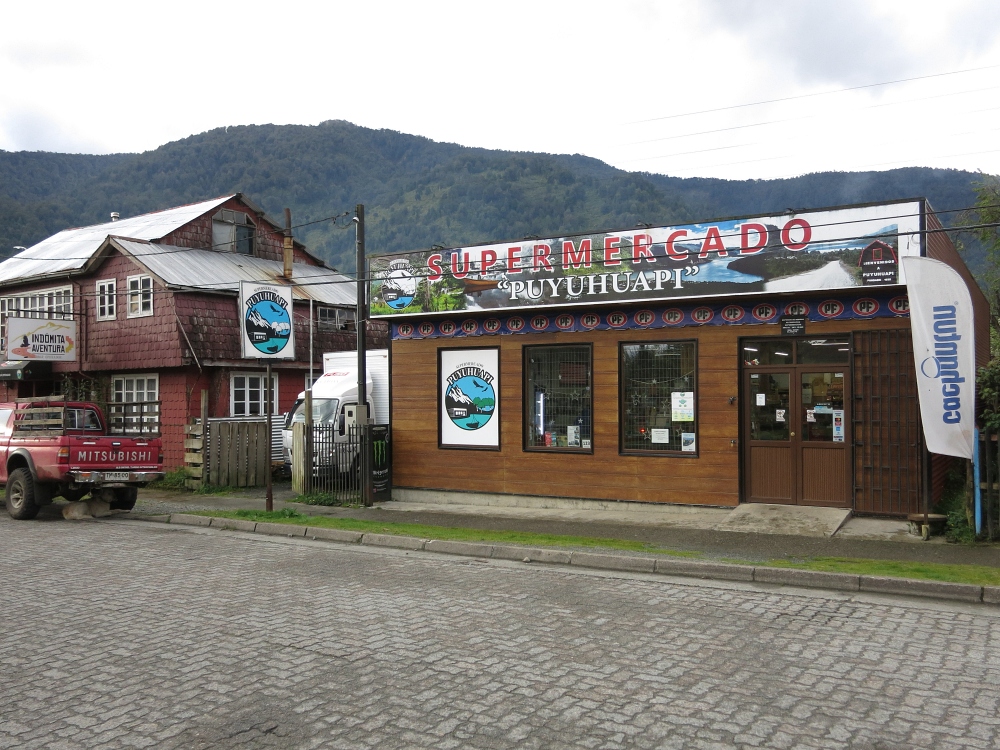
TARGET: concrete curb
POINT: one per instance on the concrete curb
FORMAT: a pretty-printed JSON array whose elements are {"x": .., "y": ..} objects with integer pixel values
[{"x": 671, "y": 566}]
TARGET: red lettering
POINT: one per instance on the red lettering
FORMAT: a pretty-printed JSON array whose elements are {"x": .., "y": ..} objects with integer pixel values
[
  {"x": 577, "y": 258},
  {"x": 612, "y": 253},
  {"x": 459, "y": 271},
  {"x": 540, "y": 257},
  {"x": 713, "y": 243},
  {"x": 671, "y": 250},
  {"x": 489, "y": 259},
  {"x": 745, "y": 247},
  {"x": 641, "y": 248},
  {"x": 434, "y": 266},
  {"x": 514, "y": 258},
  {"x": 786, "y": 234}
]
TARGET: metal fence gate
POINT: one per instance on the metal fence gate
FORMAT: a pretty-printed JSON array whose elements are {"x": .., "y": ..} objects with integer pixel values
[
  {"x": 887, "y": 439},
  {"x": 325, "y": 461},
  {"x": 988, "y": 470}
]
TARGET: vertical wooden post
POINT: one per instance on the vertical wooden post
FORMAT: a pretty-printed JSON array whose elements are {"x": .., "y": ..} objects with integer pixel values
[{"x": 204, "y": 437}]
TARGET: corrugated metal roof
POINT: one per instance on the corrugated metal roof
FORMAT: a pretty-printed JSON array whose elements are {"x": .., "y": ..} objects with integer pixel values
[
  {"x": 215, "y": 271},
  {"x": 71, "y": 249}
]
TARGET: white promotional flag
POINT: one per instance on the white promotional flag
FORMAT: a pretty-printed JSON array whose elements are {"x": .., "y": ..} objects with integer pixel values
[{"x": 944, "y": 352}]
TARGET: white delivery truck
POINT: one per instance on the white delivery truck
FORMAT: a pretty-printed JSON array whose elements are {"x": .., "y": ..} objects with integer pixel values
[{"x": 335, "y": 396}]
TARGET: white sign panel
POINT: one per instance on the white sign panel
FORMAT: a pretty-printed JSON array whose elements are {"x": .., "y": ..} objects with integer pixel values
[
  {"x": 682, "y": 406},
  {"x": 266, "y": 325},
  {"x": 51, "y": 340},
  {"x": 469, "y": 381},
  {"x": 944, "y": 353}
]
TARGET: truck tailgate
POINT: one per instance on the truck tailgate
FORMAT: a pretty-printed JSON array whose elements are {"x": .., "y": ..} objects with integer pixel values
[{"x": 103, "y": 453}]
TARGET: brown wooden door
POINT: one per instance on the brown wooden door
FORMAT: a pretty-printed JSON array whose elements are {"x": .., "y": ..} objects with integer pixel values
[{"x": 796, "y": 433}]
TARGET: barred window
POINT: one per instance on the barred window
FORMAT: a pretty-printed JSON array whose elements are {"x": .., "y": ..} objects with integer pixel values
[
  {"x": 658, "y": 397},
  {"x": 558, "y": 401}
]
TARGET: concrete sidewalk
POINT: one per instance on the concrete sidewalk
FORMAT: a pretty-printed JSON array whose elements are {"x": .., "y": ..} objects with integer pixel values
[{"x": 747, "y": 533}]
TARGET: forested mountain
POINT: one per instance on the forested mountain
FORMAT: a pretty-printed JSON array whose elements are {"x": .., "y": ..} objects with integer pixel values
[{"x": 416, "y": 192}]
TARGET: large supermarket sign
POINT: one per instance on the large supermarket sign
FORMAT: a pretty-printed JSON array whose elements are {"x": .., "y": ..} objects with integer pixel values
[{"x": 831, "y": 249}]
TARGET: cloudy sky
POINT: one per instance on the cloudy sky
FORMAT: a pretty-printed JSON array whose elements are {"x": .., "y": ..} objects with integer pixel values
[{"x": 723, "y": 88}]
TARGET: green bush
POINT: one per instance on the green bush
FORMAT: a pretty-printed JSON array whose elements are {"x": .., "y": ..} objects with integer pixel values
[
  {"x": 958, "y": 526},
  {"x": 173, "y": 480}
]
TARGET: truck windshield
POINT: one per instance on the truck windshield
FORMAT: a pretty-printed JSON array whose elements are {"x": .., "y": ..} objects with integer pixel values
[{"x": 324, "y": 411}]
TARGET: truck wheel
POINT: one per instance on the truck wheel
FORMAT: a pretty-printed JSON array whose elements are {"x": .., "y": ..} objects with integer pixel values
[
  {"x": 125, "y": 498},
  {"x": 21, "y": 502}
]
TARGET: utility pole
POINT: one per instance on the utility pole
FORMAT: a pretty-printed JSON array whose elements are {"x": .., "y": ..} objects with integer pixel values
[{"x": 361, "y": 318}]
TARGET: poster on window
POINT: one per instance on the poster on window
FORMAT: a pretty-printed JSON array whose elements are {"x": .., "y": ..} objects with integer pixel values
[
  {"x": 469, "y": 398},
  {"x": 41, "y": 339},
  {"x": 266, "y": 321}
]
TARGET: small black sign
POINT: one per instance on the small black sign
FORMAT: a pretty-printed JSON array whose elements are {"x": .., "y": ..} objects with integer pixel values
[
  {"x": 381, "y": 464},
  {"x": 793, "y": 326}
]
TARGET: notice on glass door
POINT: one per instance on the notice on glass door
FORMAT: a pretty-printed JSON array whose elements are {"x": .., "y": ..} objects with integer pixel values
[{"x": 838, "y": 425}]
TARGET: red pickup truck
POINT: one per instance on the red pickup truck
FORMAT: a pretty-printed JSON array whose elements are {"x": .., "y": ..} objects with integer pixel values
[{"x": 55, "y": 447}]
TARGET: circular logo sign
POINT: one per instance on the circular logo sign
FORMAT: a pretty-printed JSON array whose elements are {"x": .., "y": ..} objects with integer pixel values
[
  {"x": 617, "y": 319},
  {"x": 539, "y": 323},
  {"x": 491, "y": 325},
  {"x": 469, "y": 327},
  {"x": 470, "y": 398},
  {"x": 900, "y": 305},
  {"x": 564, "y": 322},
  {"x": 702, "y": 314},
  {"x": 732, "y": 313},
  {"x": 404, "y": 329},
  {"x": 446, "y": 327},
  {"x": 399, "y": 285},
  {"x": 267, "y": 322},
  {"x": 426, "y": 328},
  {"x": 644, "y": 318},
  {"x": 831, "y": 308},
  {"x": 673, "y": 316},
  {"x": 796, "y": 309},
  {"x": 865, "y": 307},
  {"x": 764, "y": 312},
  {"x": 590, "y": 320}
]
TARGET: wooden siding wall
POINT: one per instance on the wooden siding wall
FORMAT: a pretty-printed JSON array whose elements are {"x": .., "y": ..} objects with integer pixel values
[
  {"x": 940, "y": 247},
  {"x": 711, "y": 478}
]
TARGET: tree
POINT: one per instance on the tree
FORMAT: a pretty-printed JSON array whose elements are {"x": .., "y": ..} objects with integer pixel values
[{"x": 985, "y": 214}]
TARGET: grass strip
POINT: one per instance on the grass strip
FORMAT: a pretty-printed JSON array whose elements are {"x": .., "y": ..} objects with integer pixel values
[
  {"x": 445, "y": 533},
  {"x": 978, "y": 575}
]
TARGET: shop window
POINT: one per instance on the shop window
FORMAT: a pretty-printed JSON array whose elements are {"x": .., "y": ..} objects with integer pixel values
[
  {"x": 558, "y": 398},
  {"x": 658, "y": 397},
  {"x": 106, "y": 307},
  {"x": 140, "y": 296},
  {"x": 247, "y": 397},
  {"x": 835, "y": 350}
]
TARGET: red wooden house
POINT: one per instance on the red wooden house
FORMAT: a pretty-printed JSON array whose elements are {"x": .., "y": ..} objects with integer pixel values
[{"x": 155, "y": 299}]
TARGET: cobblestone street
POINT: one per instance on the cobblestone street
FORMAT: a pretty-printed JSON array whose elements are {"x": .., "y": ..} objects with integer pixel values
[{"x": 120, "y": 634}]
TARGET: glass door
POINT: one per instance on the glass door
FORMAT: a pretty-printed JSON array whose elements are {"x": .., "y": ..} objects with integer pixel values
[{"x": 796, "y": 421}]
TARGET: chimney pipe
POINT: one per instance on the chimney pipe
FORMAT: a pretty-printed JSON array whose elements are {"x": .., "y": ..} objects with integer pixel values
[
  {"x": 288, "y": 253},
  {"x": 114, "y": 216}
]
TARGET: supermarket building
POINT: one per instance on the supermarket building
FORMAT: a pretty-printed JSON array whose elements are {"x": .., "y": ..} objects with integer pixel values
[{"x": 761, "y": 359}]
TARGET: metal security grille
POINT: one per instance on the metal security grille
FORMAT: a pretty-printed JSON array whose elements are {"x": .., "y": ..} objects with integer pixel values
[
  {"x": 335, "y": 453},
  {"x": 558, "y": 397},
  {"x": 887, "y": 441},
  {"x": 650, "y": 374}
]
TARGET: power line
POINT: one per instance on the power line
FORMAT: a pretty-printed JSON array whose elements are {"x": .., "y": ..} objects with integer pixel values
[{"x": 812, "y": 95}]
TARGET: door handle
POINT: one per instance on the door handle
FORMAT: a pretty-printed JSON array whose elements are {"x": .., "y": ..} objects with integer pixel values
[{"x": 793, "y": 434}]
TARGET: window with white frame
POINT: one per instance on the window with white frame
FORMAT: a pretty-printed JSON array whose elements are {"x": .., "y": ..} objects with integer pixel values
[
  {"x": 52, "y": 304},
  {"x": 140, "y": 296},
  {"x": 247, "y": 397},
  {"x": 131, "y": 408},
  {"x": 106, "y": 303}
]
